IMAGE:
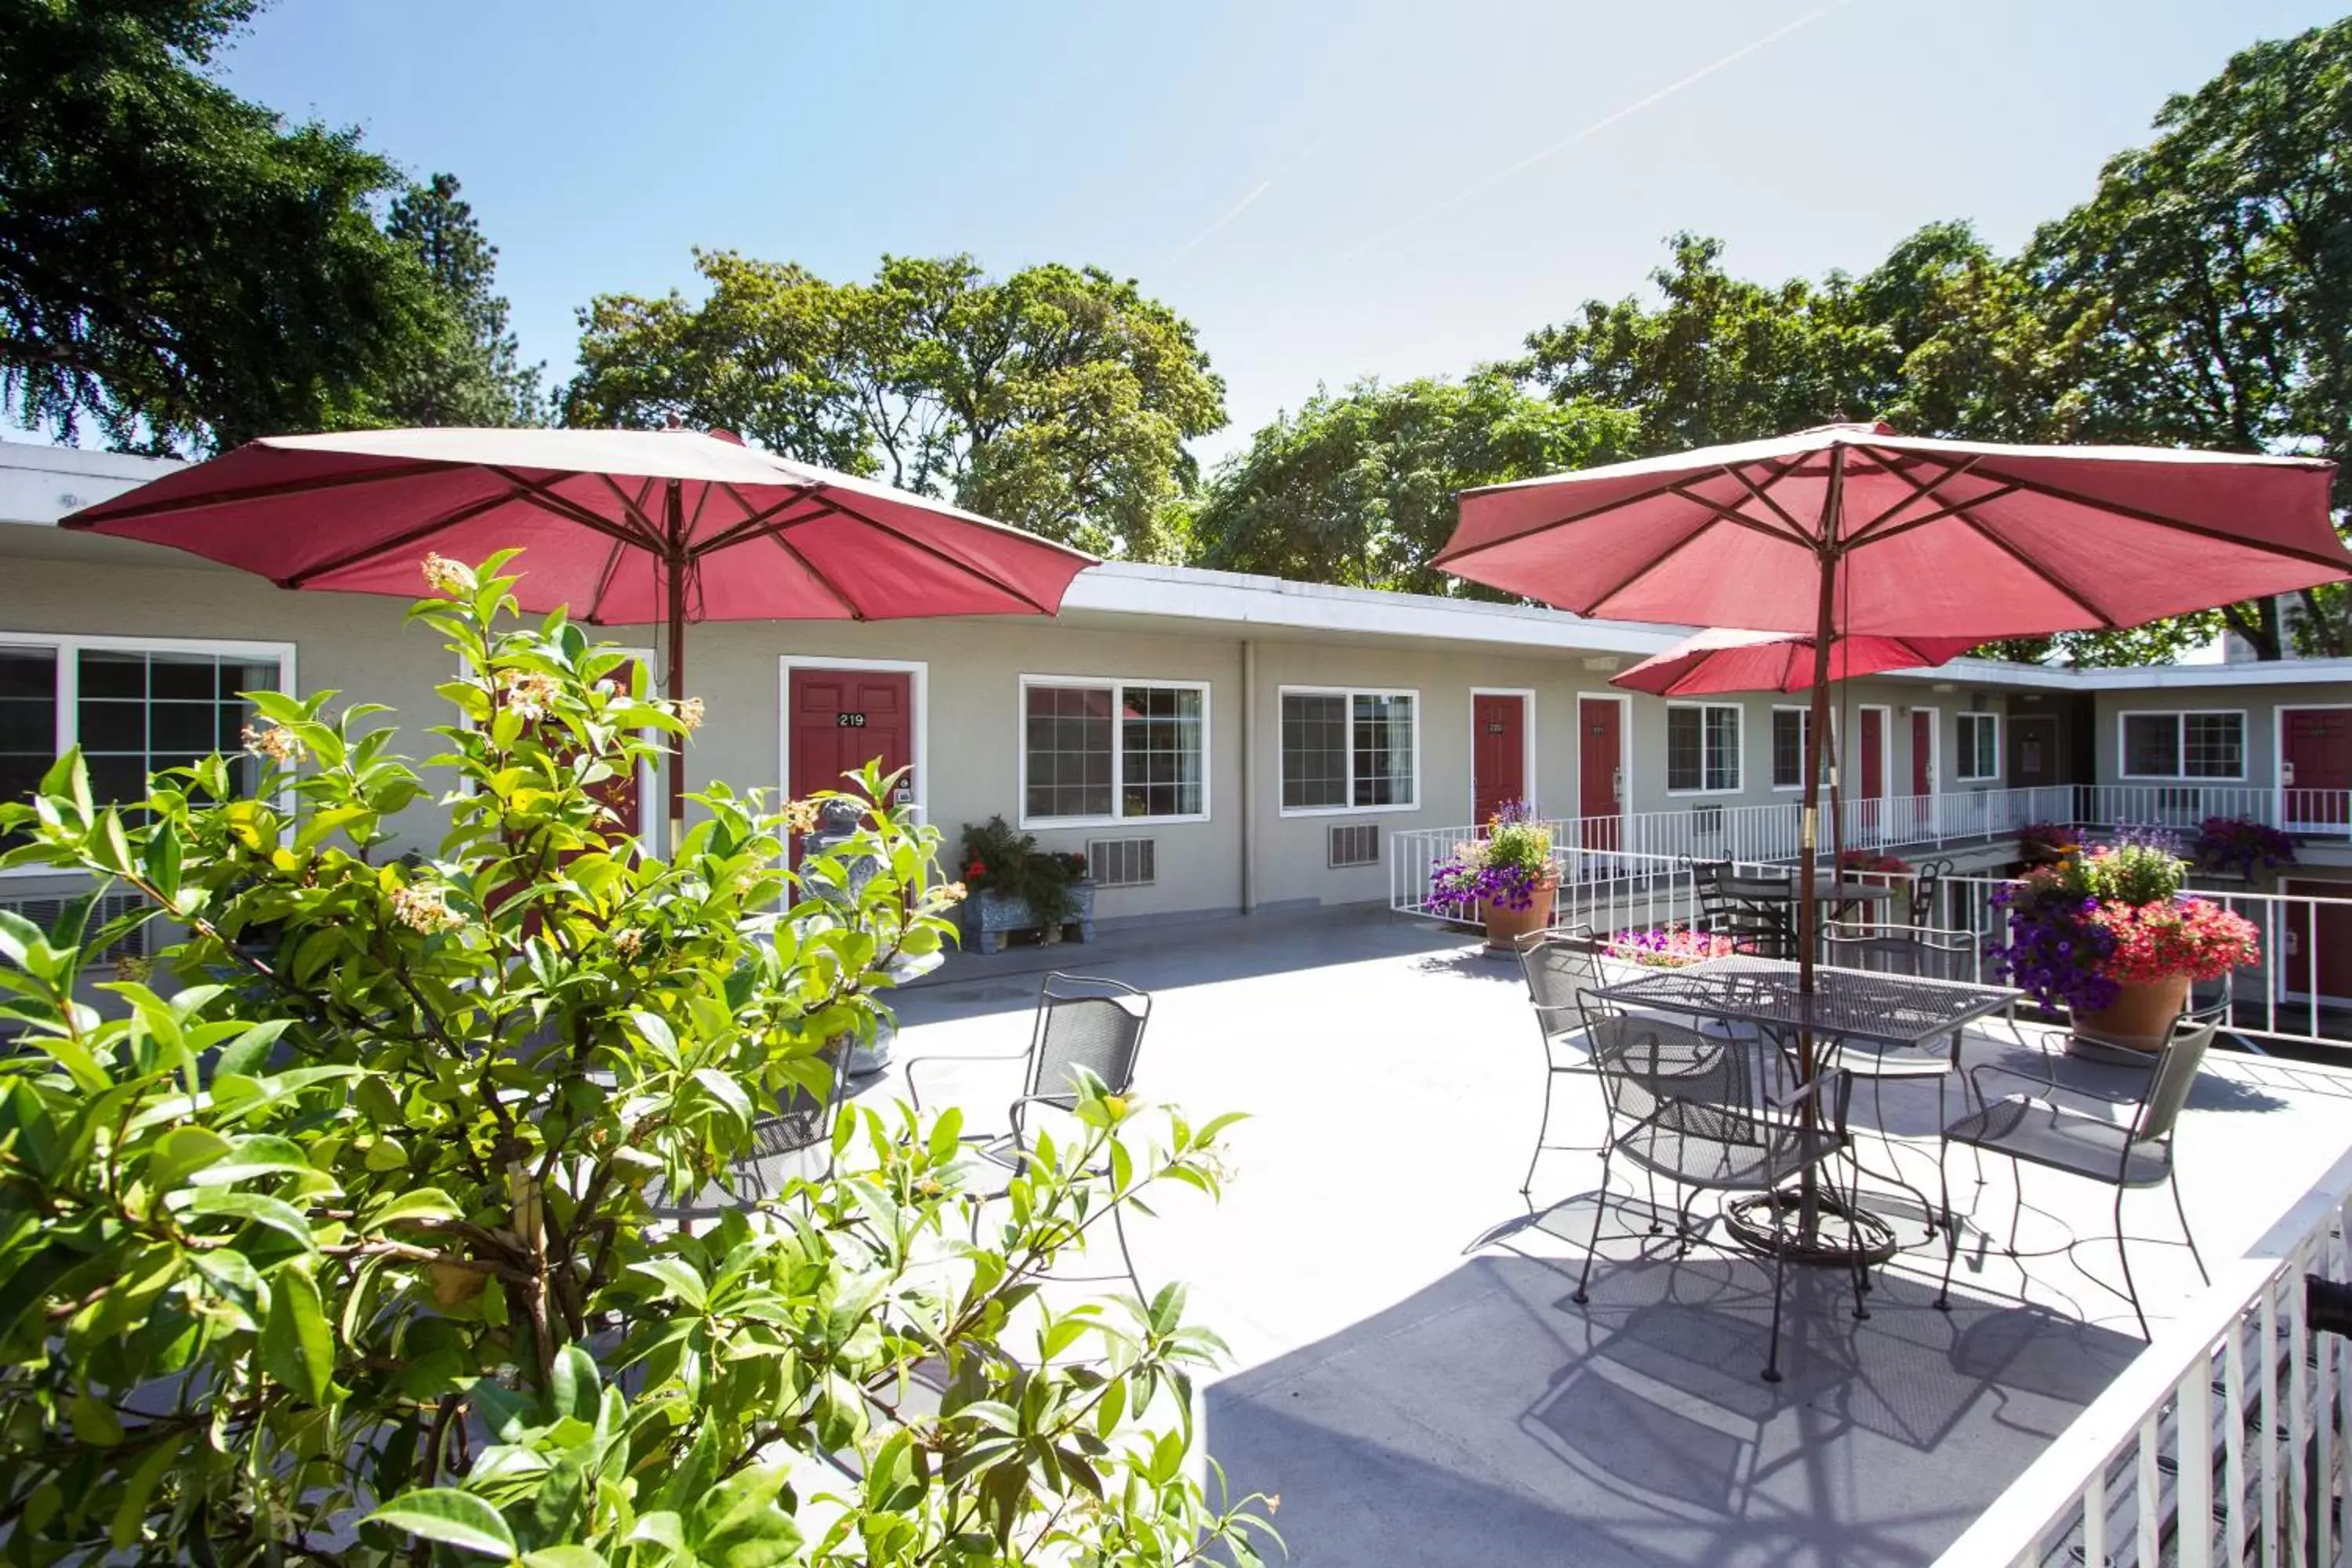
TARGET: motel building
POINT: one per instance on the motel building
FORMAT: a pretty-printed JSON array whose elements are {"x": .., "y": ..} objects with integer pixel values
[{"x": 1218, "y": 744}]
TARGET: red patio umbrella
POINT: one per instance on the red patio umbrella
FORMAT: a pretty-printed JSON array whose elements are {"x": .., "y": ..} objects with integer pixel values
[
  {"x": 625, "y": 527},
  {"x": 1852, "y": 529},
  {"x": 1720, "y": 659}
]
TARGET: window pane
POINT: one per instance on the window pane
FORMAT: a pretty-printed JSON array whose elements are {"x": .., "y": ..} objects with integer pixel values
[
  {"x": 1314, "y": 750},
  {"x": 1383, "y": 751},
  {"x": 1684, "y": 731},
  {"x": 2152, "y": 744},
  {"x": 1788, "y": 748},
  {"x": 1069, "y": 736},
  {"x": 1723, "y": 748},
  {"x": 2213, "y": 746},
  {"x": 1988, "y": 746},
  {"x": 1159, "y": 752},
  {"x": 29, "y": 720}
]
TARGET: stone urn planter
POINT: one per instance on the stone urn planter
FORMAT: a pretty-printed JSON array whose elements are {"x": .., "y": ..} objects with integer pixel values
[
  {"x": 1506, "y": 927},
  {"x": 989, "y": 915},
  {"x": 2138, "y": 1019}
]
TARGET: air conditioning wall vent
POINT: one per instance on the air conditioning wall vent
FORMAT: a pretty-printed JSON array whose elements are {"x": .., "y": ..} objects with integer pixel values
[
  {"x": 1355, "y": 844},
  {"x": 1123, "y": 862}
]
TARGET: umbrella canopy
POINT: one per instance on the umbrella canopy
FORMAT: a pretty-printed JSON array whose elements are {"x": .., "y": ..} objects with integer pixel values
[
  {"x": 1853, "y": 529},
  {"x": 1724, "y": 660},
  {"x": 625, "y": 527},
  {"x": 1940, "y": 538}
]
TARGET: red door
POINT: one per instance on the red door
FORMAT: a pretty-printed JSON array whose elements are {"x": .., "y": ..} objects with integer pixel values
[
  {"x": 1922, "y": 769},
  {"x": 2330, "y": 970},
  {"x": 1499, "y": 753},
  {"x": 2317, "y": 778},
  {"x": 1600, "y": 769},
  {"x": 1869, "y": 811},
  {"x": 844, "y": 719}
]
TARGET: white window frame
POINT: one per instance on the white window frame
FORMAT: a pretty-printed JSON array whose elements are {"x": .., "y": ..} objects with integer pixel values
[
  {"x": 1351, "y": 693},
  {"x": 1118, "y": 751},
  {"x": 2180, "y": 717},
  {"x": 69, "y": 645},
  {"x": 1738, "y": 745},
  {"x": 1965, "y": 754},
  {"x": 1804, "y": 714}
]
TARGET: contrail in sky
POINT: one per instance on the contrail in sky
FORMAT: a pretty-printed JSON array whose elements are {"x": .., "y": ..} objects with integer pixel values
[
  {"x": 1595, "y": 129},
  {"x": 1247, "y": 200}
]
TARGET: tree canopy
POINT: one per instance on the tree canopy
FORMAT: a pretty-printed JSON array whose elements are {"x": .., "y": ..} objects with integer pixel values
[
  {"x": 1359, "y": 488},
  {"x": 1058, "y": 398},
  {"x": 181, "y": 268},
  {"x": 470, "y": 372}
]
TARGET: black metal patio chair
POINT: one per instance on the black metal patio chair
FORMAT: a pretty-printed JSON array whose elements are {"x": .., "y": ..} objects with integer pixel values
[
  {"x": 1928, "y": 891},
  {"x": 2127, "y": 1155},
  {"x": 1562, "y": 970},
  {"x": 1700, "y": 1117},
  {"x": 1085, "y": 1024},
  {"x": 780, "y": 1151}
]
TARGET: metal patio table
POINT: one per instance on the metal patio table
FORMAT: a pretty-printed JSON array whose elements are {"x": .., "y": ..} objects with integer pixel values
[{"x": 1845, "y": 1005}]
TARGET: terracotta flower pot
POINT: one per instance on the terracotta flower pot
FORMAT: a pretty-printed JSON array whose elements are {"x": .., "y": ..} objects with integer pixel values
[
  {"x": 1506, "y": 927},
  {"x": 2139, "y": 1018}
]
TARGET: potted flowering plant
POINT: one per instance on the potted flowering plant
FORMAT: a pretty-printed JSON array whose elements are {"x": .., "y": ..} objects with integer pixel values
[
  {"x": 2240, "y": 847},
  {"x": 2110, "y": 936},
  {"x": 2047, "y": 843},
  {"x": 1505, "y": 879},
  {"x": 1013, "y": 884}
]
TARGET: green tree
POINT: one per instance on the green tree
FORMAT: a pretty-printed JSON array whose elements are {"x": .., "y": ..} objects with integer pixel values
[
  {"x": 471, "y": 372},
  {"x": 179, "y": 268},
  {"x": 2211, "y": 277},
  {"x": 339, "y": 1253},
  {"x": 1058, "y": 399},
  {"x": 1359, "y": 488}
]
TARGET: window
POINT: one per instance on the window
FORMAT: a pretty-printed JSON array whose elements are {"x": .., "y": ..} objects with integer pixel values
[
  {"x": 1980, "y": 747},
  {"x": 1113, "y": 751},
  {"x": 1701, "y": 747},
  {"x": 2184, "y": 745},
  {"x": 134, "y": 710},
  {"x": 1349, "y": 751},
  {"x": 1790, "y": 728}
]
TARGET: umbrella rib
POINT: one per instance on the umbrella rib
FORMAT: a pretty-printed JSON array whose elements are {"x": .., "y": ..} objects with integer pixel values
[
  {"x": 1918, "y": 491},
  {"x": 1796, "y": 527},
  {"x": 261, "y": 493},
  {"x": 641, "y": 529},
  {"x": 2341, "y": 565},
  {"x": 927, "y": 548},
  {"x": 2041, "y": 571},
  {"x": 1667, "y": 486},
  {"x": 817, "y": 574},
  {"x": 605, "y": 582},
  {"x": 543, "y": 495},
  {"x": 406, "y": 537},
  {"x": 1950, "y": 508},
  {"x": 1740, "y": 519},
  {"x": 1647, "y": 567},
  {"x": 755, "y": 521}
]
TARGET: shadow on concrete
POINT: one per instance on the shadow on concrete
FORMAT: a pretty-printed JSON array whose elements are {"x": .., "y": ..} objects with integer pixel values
[
  {"x": 1490, "y": 1419},
  {"x": 1194, "y": 952}
]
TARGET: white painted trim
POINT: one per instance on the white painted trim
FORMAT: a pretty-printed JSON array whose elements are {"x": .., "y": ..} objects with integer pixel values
[
  {"x": 1967, "y": 754},
  {"x": 1419, "y": 752},
  {"x": 1738, "y": 749},
  {"x": 1935, "y": 747},
  {"x": 1801, "y": 708},
  {"x": 1527, "y": 753},
  {"x": 1624, "y": 700},
  {"x": 1118, "y": 754},
  {"x": 66, "y": 644},
  {"x": 920, "y": 670}
]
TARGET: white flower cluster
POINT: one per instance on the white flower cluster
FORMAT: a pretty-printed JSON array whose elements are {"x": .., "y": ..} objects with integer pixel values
[
  {"x": 280, "y": 744},
  {"x": 425, "y": 907},
  {"x": 530, "y": 694},
  {"x": 444, "y": 575}
]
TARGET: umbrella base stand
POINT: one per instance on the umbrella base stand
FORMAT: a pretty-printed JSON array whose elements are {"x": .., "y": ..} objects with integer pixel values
[{"x": 1841, "y": 1234}]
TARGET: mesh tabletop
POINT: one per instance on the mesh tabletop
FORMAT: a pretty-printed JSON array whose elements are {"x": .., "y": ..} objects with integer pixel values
[{"x": 1845, "y": 1003}]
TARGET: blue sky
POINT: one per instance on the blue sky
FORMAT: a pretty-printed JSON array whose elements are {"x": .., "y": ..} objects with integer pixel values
[{"x": 1328, "y": 190}]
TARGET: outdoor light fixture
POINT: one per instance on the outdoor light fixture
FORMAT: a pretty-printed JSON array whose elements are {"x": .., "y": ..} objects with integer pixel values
[{"x": 1944, "y": 686}]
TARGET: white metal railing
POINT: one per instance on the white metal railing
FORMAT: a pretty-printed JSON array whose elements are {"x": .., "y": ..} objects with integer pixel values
[
  {"x": 2185, "y": 805},
  {"x": 2222, "y": 1443}
]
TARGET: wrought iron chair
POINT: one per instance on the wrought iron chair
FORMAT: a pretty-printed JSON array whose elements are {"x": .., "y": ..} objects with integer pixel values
[
  {"x": 1562, "y": 971},
  {"x": 1759, "y": 912},
  {"x": 1700, "y": 1117},
  {"x": 782, "y": 1139},
  {"x": 1706, "y": 888},
  {"x": 2121, "y": 1154},
  {"x": 1084, "y": 1024},
  {"x": 1927, "y": 892},
  {"x": 1919, "y": 953}
]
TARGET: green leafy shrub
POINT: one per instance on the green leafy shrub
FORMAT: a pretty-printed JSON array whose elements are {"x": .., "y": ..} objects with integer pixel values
[
  {"x": 998, "y": 859},
  {"x": 353, "y": 1248}
]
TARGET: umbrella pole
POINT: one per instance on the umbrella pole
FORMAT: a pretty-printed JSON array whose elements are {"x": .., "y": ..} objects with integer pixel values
[{"x": 674, "y": 520}]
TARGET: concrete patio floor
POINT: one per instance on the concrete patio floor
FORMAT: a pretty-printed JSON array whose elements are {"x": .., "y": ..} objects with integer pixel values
[{"x": 1411, "y": 1374}]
